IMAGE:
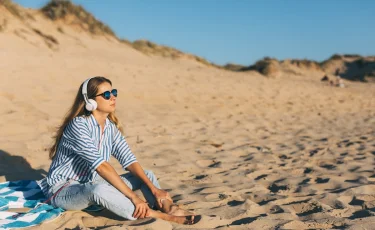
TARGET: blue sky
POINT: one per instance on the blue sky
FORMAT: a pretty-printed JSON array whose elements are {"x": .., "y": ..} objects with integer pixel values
[{"x": 242, "y": 31}]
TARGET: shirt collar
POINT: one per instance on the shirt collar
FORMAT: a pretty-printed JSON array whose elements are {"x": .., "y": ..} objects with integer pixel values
[{"x": 95, "y": 122}]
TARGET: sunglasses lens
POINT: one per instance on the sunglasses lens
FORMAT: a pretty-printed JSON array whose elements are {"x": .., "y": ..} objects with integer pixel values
[
  {"x": 114, "y": 92},
  {"x": 107, "y": 95}
]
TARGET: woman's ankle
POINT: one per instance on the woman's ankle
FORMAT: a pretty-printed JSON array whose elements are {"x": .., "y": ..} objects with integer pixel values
[
  {"x": 166, "y": 206},
  {"x": 172, "y": 209}
]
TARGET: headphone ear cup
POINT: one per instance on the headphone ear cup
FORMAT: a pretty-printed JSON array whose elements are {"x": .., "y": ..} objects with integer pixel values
[{"x": 91, "y": 105}]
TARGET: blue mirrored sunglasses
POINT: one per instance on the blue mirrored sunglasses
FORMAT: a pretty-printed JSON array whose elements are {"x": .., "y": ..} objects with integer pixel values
[{"x": 107, "y": 94}]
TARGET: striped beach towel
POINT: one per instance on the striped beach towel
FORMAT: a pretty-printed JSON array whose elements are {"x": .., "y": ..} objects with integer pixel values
[{"x": 24, "y": 194}]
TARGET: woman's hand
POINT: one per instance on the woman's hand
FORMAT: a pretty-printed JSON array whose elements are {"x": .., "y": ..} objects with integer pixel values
[
  {"x": 141, "y": 209},
  {"x": 161, "y": 195}
]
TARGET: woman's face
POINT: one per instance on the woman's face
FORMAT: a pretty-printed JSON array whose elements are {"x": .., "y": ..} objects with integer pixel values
[{"x": 105, "y": 106}]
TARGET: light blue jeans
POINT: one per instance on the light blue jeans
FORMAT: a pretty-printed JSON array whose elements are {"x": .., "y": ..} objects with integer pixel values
[{"x": 77, "y": 196}]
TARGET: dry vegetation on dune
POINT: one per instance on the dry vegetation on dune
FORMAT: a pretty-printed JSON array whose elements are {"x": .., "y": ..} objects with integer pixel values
[
  {"x": 151, "y": 48},
  {"x": 349, "y": 66},
  {"x": 16, "y": 10},
  {"x": 267, "y": 66},
  {"x": 11, "y": 7},
  {"x": 233, "y": 67},
  {"x": 59, "y": 10},
  {"x": 155, "y": 49}
]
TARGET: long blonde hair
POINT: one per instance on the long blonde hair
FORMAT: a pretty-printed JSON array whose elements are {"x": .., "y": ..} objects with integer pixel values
[{"x": 78, "y": 109}]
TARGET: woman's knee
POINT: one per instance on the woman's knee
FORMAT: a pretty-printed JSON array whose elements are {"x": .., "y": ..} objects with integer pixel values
[
  {"x": 152, "y": 178},
  {"x": 74, "y": 197},
  {"x": 150, "y": 174}
]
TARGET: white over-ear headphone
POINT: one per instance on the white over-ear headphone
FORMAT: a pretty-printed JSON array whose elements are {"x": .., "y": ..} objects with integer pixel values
[{"x": 91, "y": 104}]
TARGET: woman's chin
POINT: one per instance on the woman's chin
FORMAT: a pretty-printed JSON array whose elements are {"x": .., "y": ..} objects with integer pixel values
[{"x": 110, "y": 110}]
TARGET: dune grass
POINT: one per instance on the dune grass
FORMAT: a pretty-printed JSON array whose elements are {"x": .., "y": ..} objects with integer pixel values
[
  {"x": 151, "y": 48},
  {"x": 11, "y": 7},
  {"x": 16, "y": 10},
  {"x": 56, "y": 10}
]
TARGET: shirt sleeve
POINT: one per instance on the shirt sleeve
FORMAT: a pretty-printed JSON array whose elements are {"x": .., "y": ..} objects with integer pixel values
[
  {"x": 77, "y": 134},
  {"x": 121, "y": 150}
]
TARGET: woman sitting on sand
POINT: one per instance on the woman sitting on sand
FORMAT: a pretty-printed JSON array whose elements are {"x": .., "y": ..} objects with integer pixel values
[{"x": 80, "y": 174}]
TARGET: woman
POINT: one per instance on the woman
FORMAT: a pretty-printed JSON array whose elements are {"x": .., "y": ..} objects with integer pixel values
[{"x": 80, "y": 174}]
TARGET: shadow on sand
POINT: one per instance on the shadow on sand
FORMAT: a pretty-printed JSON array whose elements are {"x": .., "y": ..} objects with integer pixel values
[{"x": 18, "y": 168}]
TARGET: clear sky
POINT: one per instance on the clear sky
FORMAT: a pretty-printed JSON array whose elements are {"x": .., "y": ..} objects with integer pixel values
[{"x": 242, "y": 31}]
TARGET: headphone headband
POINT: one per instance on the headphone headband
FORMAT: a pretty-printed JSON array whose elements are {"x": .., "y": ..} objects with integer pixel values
[{"x": 84, "y": 87}]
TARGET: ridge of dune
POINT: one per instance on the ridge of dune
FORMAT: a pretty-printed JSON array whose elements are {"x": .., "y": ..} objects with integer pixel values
[
  {"x": 244, "y": 150},
  {"x": 349, "y": 67},
  {"x": 65, "y": 14}
]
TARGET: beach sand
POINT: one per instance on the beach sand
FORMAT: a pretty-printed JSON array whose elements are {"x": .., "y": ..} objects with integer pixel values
[{"x": 243, "y": 150}]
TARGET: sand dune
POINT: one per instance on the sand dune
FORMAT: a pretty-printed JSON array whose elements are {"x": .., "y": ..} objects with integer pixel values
[{"x": 245, "y": 151}]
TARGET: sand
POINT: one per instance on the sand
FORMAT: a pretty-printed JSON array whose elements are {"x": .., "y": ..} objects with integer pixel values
[{"x": 243, "y": 150}]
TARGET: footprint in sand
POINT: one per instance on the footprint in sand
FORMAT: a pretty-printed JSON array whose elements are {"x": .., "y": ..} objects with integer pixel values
[
  {"x": 276, "y": 209},
  {"x": 276, "y": 188},
  {"x": 284, "y": 157},
  {"x": 204, "y": 163},
  {"x": 200, "y": 177},
  {"x": 229, "y": 212},
  {"x": 246, "y": 220},
  {"x": 321, "y": 180},
  {"x": 359, "y": 158},
  {"x": 216, "y": 197},
  {"x": 234, "y": 203},
  {"x": 208, "y": 163},
  {"x": 354, "y": 169},
  {"x": 327, "y": 166},
  {"x": 358, "y": 180},
  {"x": 216, "y": 164},
  {"x": 263, "y": 176},
  {"x": 303, "y": 208},
  {"x": 264, "y": 199},
  {"x": 361, "y": 214},
  {"x": 304, "y": 182}
]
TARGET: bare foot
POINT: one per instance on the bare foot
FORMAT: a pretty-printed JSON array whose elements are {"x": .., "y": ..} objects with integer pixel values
[
  {"x": 177, "y": 211},
  {"x": 187, "y": 220},
  {"x": 173, "y": 209}
]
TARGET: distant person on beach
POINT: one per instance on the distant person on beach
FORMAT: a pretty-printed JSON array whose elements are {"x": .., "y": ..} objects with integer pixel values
[
  {"x": 80, "y": 175},
  {"x": 339, "y": 82}
]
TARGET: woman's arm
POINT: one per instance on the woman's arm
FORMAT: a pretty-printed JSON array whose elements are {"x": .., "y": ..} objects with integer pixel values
[
  {"x": 123, "y": 154},
  {"x": 137, "y": 170},
  {"x": 106, "y": 171}
]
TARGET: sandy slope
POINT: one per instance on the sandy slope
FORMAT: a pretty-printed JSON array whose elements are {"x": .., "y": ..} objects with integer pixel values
[{"x": 245, "y": 151}]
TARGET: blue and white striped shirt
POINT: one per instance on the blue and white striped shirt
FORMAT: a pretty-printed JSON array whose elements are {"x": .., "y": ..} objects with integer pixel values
[{"x": 82, "y": 148}]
